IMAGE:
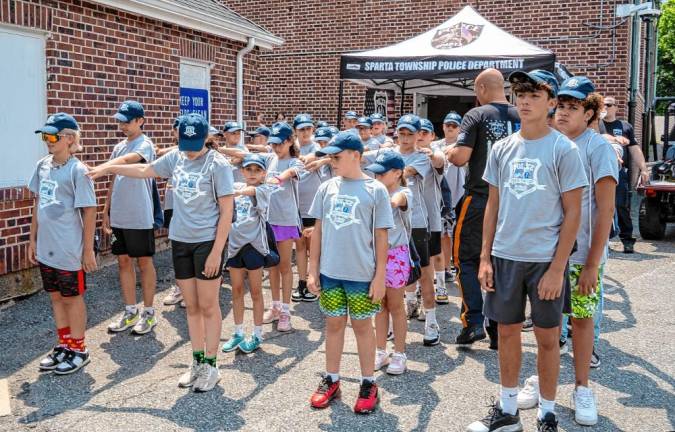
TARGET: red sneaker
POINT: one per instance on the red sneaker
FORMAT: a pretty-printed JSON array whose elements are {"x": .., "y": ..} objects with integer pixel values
[
  {"x": 369, "y": 398},
  {"x": 326, "y": 392}
]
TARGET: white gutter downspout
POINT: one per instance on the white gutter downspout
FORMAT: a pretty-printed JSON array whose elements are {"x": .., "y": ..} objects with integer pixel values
[{"x": 240, "y": 81}]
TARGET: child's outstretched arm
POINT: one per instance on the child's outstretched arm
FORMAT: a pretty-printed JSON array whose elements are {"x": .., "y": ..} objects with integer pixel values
[{"x": 314, "y": 259}]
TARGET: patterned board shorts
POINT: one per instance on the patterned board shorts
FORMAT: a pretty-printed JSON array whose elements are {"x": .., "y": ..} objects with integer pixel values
[
  {"x": 398, "y": 267},
  {"x": 584, "y": 306},
  {"x": 342, "y": 297}
]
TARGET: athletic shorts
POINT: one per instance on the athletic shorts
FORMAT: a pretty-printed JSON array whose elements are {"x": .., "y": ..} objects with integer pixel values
[
  {"x": 420, "y": 237},
  {"x": 168, "y": 214},
  {"x": 133, "y": 242},
  {"x": 584, "y": 306},
  {"x": 398, "y": 267},
  {"x": 435, "y": 243},
  {"x": 189, "y": 259},
  {"x": 283, "y": 233},
  {"x": 514, "y": 281},
  {"x": 248, "y": 257},
  {"x": 340, "y": 297},
  {"x": 308, "y": 222},
  {"x": 66, "y": 282}
]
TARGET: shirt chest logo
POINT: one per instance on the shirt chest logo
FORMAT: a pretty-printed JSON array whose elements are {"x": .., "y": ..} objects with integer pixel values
[
  {"x": 48, "y": 192},
  {"x": 523, "y": 177},
  {"x": 342, "y": 211},
  {"x": 186, "y": 185},
  {"x": 243, "y": 205}
]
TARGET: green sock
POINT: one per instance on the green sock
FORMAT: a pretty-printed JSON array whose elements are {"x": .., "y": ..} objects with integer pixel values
[
  {"x": 198, "y": 356},
  {"x": 210, "y": 361}
]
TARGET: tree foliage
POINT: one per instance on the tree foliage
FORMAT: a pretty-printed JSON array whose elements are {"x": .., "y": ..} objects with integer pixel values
[{"x": 665, "y": 85}]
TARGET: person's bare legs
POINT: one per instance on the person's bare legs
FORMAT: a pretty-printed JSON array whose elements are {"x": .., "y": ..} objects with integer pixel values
[
  {"x": 148, "y": 280},
  {"x": 255, "y": 288},
  {"x": 285, "y": 270},
  {"x": 127, "y": 273},
  {"x": 548, "y": 359},
  {"x": 382, "y": 325},
  {"x": 194, "y": 317},
  {"x": 365, "y": 343},
  {"x": 396, "y": 307},
  {"x": 209, "y": 307},
  {"x": 427, "y": 286},
  {"x": 335, "y": 341},
  {"x": 76, "y": 311},
  {"x": 446, "y": 247},
  {"x": 510, "y": 353},
  {"x": 59, "y": 309},
  {"x": 582, "y": 343},
  {"x": 237, "y": 276},
  {"x": 301, "y": 257}
]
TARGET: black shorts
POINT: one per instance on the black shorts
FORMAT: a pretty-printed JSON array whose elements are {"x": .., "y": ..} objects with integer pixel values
[
  {"x": 513, "y": 282},
  {"x": 68, "y": 283},
  {"x": 248, "y": 257},
  {"x": 420, "y": 237},
  {"x": 435, "y": 243},
  {"x": 189, "y": 259},
  {"x": 168, "y": 214},
  {"x": 308, "y": 222},
  {"x": 133, "y": 242}
]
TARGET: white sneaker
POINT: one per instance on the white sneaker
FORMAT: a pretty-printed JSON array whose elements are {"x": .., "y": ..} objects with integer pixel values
[
  {"x": 381, "y": 359},
  {"x": 189, "y": 377},
  {"x": 585, "y": 406},
  {"x": 432, "y": 334},
  {"x": 207, "y": 378},
  {"x": 174, "y": 297},
  {"x": 528, "y": 396},
  {"x": 397, "y": 365}
]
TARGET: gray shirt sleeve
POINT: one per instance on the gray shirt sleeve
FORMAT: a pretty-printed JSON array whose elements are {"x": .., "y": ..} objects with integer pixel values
[
  {"x": 145, "y": 150},
  {"x": 34, "y": 182},
  {"x": 603, "y": 162},
  {"x": 222, "y": 177},
  {"x": 262, "y": 197},
  {"x": 165, "y": 165},
  {"x": 316, "y": 210},
  {"x": 571, "y": 173},
  {"x": 421, "y": 164},
  {"x": 85, "y": 196},
  {"x": 383, "y": 214}
]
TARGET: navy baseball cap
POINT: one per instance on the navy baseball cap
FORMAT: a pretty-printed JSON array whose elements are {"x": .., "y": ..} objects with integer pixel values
[
  {"x": 57, "y": 122},
  {"x": 537, "y": 76},
  {"x": 176, "y": 121},
  {"x": 261, "y": 130},
  {"x": 365, "y": 122},
  {"x": 343, "y": 141},
  {"x": 281, "y": 131},
  {"x": 232, "y": 126},
  {"x": 377, "y": 118},
  {"x": 453, "y": 117},
  {"x": 334, "y": 130},
  {"x": 192, "y": 132},
  {"x": 254, "y": 159},
  {"x": 323, "y": 134},
  {"x": 386, "y": 161},
  {"x": 351, "y": 115},
  {"x": 425, "y": 124},
  {"x": 410, "y": 122},
  {"x": 129, "y": 110},
  {"x": 302, "y": 121},
  {"x": 321, "y": 124},
  {"x": 578, "y": 87}
]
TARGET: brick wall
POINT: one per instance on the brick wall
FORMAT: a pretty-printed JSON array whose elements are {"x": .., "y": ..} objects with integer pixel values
[
  {"x": 96, "y": 58},
  {"x": 302, "y": 74}
]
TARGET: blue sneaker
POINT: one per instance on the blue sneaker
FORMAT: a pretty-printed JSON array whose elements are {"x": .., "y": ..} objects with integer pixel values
[
  {"x": 251, "y": 344},
  {"x": 233, "y": 343}
]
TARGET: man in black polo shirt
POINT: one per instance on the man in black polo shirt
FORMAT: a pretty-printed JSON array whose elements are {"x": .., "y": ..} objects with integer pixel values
[
  {"x": 481, "y": 128},
  {"x": 623, "y": 134}
]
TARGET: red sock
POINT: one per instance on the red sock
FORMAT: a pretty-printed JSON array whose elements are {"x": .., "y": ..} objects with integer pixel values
[
  {"x": 64, "y": 335},
  {"x": 76, "y": 344}
]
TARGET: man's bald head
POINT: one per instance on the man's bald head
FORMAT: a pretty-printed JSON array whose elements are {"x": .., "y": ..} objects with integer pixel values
[{"x": 489, "y": 86}]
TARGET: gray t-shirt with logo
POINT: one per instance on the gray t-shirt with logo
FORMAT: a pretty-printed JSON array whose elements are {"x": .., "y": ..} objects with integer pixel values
[
  {"x": 531, "y": 176},
  {"x": 599, "y": 161},
  {"x": 196, "y": 186},
  {"x": 131, "y": 205},
  {"x": 249, "y": 226},
  {"x": 400, "y": 233},
  {"x": 61, "y": 192},
  {"x": 309, "y": 182},
  {"x": 422, "y": 164},
  {"x": 284, "y": 203},
  {"x": 454, "y": 175},
  {"x": 350, "y": 210}
]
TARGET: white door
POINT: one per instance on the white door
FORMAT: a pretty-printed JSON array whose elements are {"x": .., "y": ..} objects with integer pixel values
[{"x": 23, "y": 87}]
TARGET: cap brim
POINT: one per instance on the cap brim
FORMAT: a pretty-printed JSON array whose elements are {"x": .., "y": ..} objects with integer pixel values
[
  {"x": 365, "y": 125},
  {"x": 425, "y": 129},
  {"x": 121, "y": 117},
  {"x": 330, "y": 150},
  {"x": 274, "y": 140},
  {"x": 411, "y": 128},
  {"x": 521, "y": 76},
  {"x": 572, "y": 93},
  {"x": 304, "y": 125},
  {"x": 378, "y": 121},
  {"x": 260, "y": 164},
  {"x": 48, "y": 130},
  {"x": 351, "y": 117},
  {"x": 452, "y": 122},
  {"x": 322, "y": 138},
  {"x": 376, "y": 168},
  {"x": 185, "y": 144}
]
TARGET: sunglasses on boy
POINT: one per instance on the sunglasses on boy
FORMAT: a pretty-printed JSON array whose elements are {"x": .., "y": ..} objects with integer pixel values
[{"x": 51, "y": 138}]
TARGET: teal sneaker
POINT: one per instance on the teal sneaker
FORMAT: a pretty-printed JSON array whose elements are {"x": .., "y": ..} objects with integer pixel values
[
  {"x": 251, "y": 344},
  {"x": 233, "y": 343}
]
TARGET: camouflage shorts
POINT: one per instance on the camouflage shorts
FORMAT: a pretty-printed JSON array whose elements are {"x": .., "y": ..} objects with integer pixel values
[{"x": 584, "y": 306}]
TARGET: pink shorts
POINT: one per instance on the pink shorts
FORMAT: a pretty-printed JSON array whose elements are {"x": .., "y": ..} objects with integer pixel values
[
  {"x": 398, "y": 267},
  {"x": 282, "y": 232}
]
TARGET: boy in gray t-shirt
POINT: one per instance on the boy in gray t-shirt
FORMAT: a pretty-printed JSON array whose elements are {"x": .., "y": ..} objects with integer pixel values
[
  {"x": 535, "y": 179},
  {"x": 348, "y": 257},
  {"x": 61, "y": 240}
]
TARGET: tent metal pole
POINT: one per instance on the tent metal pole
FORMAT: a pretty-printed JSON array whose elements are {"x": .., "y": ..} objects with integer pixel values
[
  {"x": 402, "y": 97},
  {"x": 340, "y": 94}
]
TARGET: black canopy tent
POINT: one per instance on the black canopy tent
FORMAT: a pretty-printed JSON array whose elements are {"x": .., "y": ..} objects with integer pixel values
[{"x": 444, "y": 60}]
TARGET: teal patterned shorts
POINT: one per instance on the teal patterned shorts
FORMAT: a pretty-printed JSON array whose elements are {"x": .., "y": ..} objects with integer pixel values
[
  {"x": 340, "y": 297},
  {"x": 584, "y": 306}
]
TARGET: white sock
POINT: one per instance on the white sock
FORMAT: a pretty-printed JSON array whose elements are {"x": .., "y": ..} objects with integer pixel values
[
  {"x": 410, "y": 296},
  {"x": 370, "y": 378},
  {"x": 334, "y": 377},
  {"x": 257, "y": 330},
  {"x": 545, "y": 407},
  {"x": 286, "y": 308},
  {"x": 508, "y": 400},
  {"x": 431, "y": 316},
  {"x": 149, "y": 309},
  {"x": 276, "y": 304},
  {"x": 440, "y": 279},
  {"x": 132, "y": 309},
  {"x": 239, "y": 329}
]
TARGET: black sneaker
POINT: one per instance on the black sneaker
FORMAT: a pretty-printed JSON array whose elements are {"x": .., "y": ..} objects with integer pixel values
[
  {"x": 73, "y": 362},
  {"x": 309, "y": 297},
  {"x": 595, "y": 360},
  {"x": 496, "y": 420},
  {"x": 528, "y": 325},
  {"x": 52, "y": 359},
  {"x": 629, "y": 246},
  {"x": 493, "y": 332},
  {"x": 299, "y": 293},
  {"x": 548, "y": 423},
  {"x": 470, "y": 335}
]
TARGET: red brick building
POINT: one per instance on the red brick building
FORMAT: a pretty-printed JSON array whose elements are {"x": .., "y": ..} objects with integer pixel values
[{"x": 85, "y": 57}]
